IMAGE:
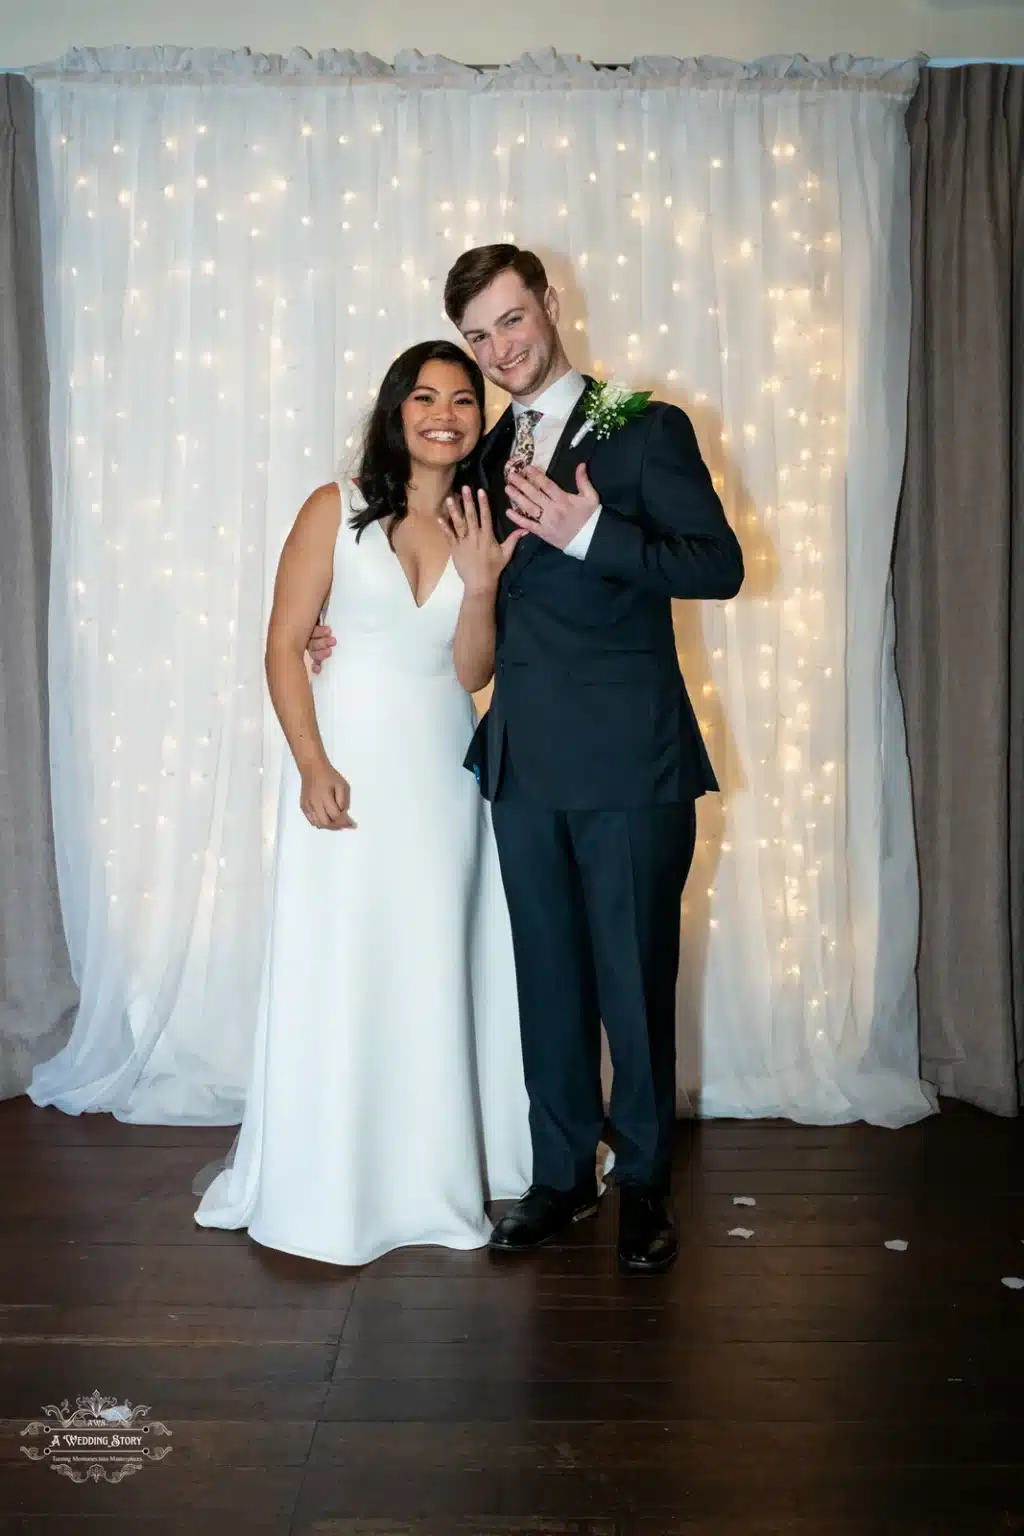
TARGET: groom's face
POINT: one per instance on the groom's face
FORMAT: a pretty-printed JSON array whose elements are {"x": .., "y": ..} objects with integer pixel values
[{"x": 513, "y": 335}]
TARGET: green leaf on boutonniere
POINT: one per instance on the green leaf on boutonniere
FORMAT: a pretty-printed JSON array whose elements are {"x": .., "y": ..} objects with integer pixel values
[{"x": 610, "y": 405}]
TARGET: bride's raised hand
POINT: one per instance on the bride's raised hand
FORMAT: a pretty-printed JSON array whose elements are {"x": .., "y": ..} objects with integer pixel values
[{"x": 476, "y": 554}]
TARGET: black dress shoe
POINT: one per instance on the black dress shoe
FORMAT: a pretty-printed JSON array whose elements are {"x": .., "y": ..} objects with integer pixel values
[
  {"x": 540, "y": 1215},
  {"x": 647, "y": 1236}
]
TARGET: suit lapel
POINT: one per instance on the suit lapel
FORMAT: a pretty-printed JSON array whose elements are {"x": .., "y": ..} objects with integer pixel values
[
  {"x": 566, "y": 458},
  {"x": 562, "y": 470},
  {"x": 494, "y": 452}
]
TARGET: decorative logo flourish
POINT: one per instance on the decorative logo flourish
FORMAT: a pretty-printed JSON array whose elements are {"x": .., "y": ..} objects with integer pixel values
[{"x": 99, "y": 1440}]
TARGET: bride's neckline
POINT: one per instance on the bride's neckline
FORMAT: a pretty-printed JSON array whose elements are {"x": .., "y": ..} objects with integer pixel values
[{"x": 404, "y": 573}]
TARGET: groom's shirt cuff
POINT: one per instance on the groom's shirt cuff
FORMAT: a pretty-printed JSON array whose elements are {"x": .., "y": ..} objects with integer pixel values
[{"x": 580, "y": 542}]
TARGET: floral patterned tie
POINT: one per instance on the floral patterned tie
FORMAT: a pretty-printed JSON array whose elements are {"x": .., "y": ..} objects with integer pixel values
[{"x": 523, "y": 447}]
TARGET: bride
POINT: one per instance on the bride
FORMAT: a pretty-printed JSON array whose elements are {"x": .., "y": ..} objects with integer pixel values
[{"x": 386, "y": 1102}]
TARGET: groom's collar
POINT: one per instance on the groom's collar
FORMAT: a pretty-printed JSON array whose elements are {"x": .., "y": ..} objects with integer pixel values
[
  {"x": 500, "y": 435},
  {"x": 558, "y": 399}
]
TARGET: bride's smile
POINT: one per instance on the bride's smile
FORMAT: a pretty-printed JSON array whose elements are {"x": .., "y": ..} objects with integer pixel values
[{"x": 441, "y": 417}]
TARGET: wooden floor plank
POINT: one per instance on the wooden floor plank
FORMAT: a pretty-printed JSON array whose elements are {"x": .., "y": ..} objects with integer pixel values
[
  {"x": 176, "y": 1274},
  {"x": 806, "y": 1381}
]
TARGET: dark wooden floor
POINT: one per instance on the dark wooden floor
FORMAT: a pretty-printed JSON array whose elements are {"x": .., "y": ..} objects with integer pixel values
[{"x": 805, "y": 1380}]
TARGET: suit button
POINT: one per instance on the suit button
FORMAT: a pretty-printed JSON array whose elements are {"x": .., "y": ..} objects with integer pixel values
[{"x": 513, "y": 592}]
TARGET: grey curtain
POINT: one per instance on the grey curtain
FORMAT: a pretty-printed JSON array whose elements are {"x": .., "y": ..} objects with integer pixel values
[
  {"x": 37, "y": 994},
  {"x": 959, "y": 577}
]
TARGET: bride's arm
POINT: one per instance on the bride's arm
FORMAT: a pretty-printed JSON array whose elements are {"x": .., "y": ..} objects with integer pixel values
[
  {"x": 473, "y": 647},
  {"x": 479, "y": 560},
  {"x": 304, "y": 575}
]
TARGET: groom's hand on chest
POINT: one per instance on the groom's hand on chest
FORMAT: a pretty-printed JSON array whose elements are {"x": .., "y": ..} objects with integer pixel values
[{"x": 540, "y": 506}]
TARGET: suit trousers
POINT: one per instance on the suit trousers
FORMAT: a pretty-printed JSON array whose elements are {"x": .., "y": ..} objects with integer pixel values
[{"x": 594, "y": 901}]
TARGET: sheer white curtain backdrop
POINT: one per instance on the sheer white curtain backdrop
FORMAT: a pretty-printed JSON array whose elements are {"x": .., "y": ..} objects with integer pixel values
[{"x": 239, "y": 246}]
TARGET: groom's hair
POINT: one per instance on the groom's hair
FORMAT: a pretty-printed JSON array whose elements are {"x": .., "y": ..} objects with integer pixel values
[{"x": 476, "y": 270}]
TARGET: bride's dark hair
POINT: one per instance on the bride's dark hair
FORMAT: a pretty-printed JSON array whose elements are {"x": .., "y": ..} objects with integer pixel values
[{"x": 385, "y": 466}]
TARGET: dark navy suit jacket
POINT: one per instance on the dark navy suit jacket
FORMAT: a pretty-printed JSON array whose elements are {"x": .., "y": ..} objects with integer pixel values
[{"x": 588, "y": 694}]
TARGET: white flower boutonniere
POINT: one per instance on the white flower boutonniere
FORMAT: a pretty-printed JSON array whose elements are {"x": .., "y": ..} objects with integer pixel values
[{"x": 609, "y": 406}]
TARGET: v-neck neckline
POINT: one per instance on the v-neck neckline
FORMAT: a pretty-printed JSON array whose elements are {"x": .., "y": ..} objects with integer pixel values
[{"x": 392, "y": 551}]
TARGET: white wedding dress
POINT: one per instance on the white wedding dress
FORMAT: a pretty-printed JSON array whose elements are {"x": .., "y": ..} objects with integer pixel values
[{"x": 386, "y": 1102}]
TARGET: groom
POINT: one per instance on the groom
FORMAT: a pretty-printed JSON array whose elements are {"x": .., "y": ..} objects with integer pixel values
[{"x": 590, "y": 752}]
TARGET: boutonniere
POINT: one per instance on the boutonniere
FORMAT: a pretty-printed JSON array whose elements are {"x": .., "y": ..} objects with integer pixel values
[{"x": 609, "y": 405}]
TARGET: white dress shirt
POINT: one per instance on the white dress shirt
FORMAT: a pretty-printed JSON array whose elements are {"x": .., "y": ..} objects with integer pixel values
[{"x": 556, "y": 405}]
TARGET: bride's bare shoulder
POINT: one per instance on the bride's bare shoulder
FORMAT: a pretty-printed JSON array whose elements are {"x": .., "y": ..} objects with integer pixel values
[
  {"x": 322, "y": 507},
  {"x": 326, "y": 497},
  {"x": 316, "y": 525}
]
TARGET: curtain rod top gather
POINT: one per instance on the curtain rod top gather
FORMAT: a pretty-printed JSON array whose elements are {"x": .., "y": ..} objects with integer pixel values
[{"x": 536, "y": 70}]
